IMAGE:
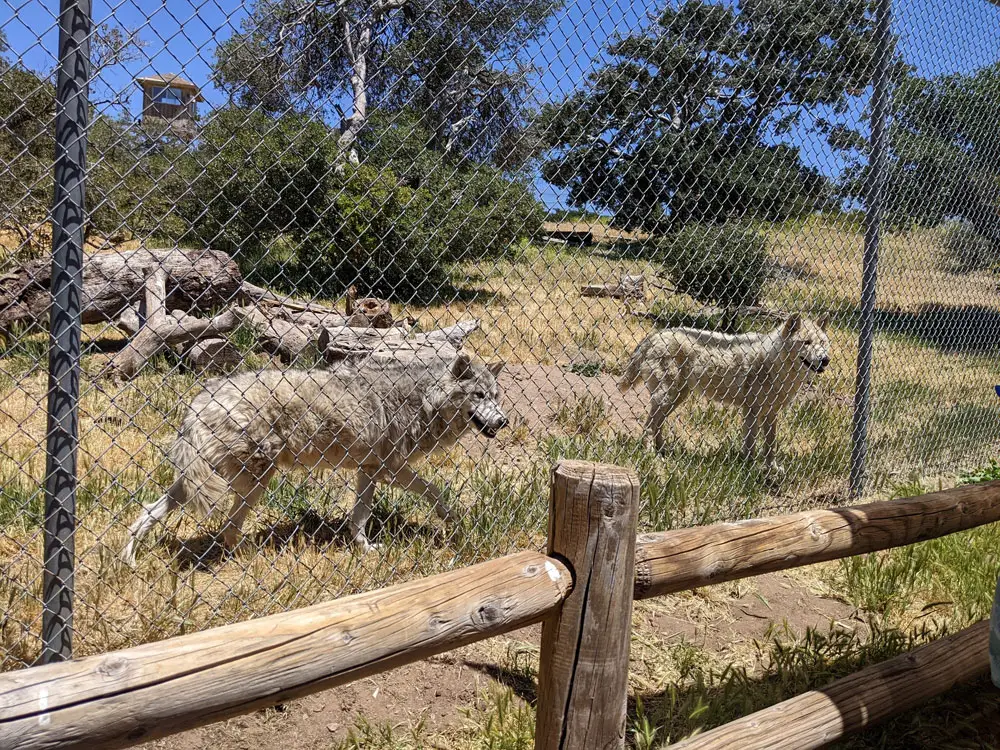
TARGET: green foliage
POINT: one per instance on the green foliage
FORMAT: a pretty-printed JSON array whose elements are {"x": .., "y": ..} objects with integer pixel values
[
  {"x": 272, "y": 195},
  {"x": 725, "y": 265},
  {"x": 479, "y": 211},
  {"x": 134, "y": 184},
  {"x": 376, "y": 236},
  {"x": 884, "y": 583},
  {"x": 987, "y": 473},
  {"x": 942, "y": 160},
  {"x": 457, "y": 66},
  {"x": 957, "y": 573},
  {"x": 680, "y": 125},
  {"x": 27, "y": 109},
  {"x": 261, "y": 177},
  {"x": 964, "y": 249}
]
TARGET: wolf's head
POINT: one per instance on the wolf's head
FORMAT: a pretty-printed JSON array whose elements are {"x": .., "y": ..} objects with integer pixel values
[
  {"x": 472, "y": 398},
  {"x": 807, "y": 341}
]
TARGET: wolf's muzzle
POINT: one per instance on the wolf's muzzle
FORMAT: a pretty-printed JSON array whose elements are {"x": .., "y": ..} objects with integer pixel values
[
  {"x": 816, "y": 366},
  {"x": 491, "y": 427}
]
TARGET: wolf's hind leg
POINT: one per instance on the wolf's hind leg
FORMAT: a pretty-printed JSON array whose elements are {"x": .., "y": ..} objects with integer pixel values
[
  {"x": 362, "y": 511},
  {"x": 662, "y": 403},
  {"x": 151, "y": 515},
  {"x": 407, "y": 479},
  {"x": 248, "y": 488}
]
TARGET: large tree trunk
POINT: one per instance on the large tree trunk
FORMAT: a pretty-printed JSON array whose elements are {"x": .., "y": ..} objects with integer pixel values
[
  {"x": 357, "y": 53},
  {"x": 196, "y": 280}
]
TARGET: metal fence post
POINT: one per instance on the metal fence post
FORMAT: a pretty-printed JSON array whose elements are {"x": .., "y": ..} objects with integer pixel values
[
  {"x": 874, "y": 195},
  {"x": 68, "y": 220}
]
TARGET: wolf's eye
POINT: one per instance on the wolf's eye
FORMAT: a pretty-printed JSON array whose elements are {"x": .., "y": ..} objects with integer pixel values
[{"x": 478, "y": 394}]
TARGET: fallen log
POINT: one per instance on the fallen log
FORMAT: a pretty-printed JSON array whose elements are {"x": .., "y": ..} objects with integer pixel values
[
  {"x": 314, "y": 319},
  {"x": 454, "y": 334},
  {"x": 374, "y": 311},
  {"x": 151, "y": 317},
  {"x": 196, "y": 280},
  {"x": 354, "y": 345},
  {"x": 628, "y": 287},
  {"x": 216, "y": 355},
  {"x": 157, "y": 330},
  {"x": 288, "y": 340}
]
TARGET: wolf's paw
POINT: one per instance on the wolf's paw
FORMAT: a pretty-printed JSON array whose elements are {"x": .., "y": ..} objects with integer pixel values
[
  {"x": 363, "y": 546},
  {"x": 231, "y": 539},
  {"x": 775, "y": 474},
  {"x": 127, "y": 555}
]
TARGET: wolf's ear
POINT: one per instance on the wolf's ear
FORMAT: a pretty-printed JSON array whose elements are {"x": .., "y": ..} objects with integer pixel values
[
  {"x": 791, "y": 325},
  {"x": 495, "y": 368},
  {"x": 461, "y": 366},
  {"x": 823, "y": 321}
]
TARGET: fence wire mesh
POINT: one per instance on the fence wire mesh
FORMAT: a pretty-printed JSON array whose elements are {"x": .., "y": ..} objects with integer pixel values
[{"x": 299, "y": 212}]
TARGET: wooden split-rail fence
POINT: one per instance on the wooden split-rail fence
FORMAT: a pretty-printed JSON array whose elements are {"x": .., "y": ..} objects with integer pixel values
[{"x": 581, "y": 590}]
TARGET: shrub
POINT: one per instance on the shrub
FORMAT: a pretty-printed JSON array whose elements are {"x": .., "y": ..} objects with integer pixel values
[
  {"x": 479, "y": 211},
  {"x": 724, "y": 264},
  {"x": 271, "y": 195},
  {"x": 964, "y": 249},
  {"x": 262, "y": 177},
  {"x": 482, "y": 214},
  {"x": 376, "y": 235}
]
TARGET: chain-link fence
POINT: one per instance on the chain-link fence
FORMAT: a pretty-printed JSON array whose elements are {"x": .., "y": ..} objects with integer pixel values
[{"x": 298, "y": 212}]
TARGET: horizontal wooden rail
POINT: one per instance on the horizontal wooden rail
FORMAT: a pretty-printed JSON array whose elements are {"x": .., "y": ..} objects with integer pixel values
[
  {"x": 684, "y": 559},
  {"x": 122, "y": 698},
  {"x": 819, "y": 717}
]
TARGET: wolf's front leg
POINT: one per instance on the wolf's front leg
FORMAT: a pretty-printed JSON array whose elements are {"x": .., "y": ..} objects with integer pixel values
[
  {"x": 362, "y": 511},
  {"x": 775, "y": 470},
  {"x": 248, "y": 490},
  {"x": 751, "y": 421},
  {"x": 662, "y": 403},
  {"x": 407, "y": 479}
]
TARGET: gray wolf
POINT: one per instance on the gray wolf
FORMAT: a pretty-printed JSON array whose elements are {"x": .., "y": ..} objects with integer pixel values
[
  {"x": 376, "y": 419},
  {"x": 758, "y": 372}
]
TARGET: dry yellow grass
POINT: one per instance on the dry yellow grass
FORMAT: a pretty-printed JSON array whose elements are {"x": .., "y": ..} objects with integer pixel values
[{"x": 930, "y": 414}]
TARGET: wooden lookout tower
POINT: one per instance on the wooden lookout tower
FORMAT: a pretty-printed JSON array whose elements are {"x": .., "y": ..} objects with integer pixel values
[{"x": 170, "y": 105}]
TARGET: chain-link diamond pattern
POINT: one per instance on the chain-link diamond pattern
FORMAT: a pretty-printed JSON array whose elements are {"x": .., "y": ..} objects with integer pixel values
[{"x": 300, "y": 212}]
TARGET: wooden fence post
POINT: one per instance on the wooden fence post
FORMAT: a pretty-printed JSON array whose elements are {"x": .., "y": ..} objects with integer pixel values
[{"x": 583, "y": 678}]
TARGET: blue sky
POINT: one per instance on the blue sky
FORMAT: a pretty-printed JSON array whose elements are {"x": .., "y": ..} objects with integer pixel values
[{"x": 942, "y": 36}]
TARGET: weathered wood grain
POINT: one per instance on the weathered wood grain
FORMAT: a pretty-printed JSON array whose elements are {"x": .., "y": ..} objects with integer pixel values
[
  {"x": 583, "y": 676},
  {"x": 122, "y": 698},
  {"x": 684, "y": 559},
  {"x": 819, "y": 717},
  {"x": 197, "y": 280}
]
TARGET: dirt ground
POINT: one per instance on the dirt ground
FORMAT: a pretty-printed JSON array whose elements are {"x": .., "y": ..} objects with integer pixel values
[{"x": 723, "y": 620}]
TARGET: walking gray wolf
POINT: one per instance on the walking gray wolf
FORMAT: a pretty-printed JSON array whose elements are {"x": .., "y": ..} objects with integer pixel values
[
  {"x": 374, "y": 418},
  {"x": 758, "y": 372}
]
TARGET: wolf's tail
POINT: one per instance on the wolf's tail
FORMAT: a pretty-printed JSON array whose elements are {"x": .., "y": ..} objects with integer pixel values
[{"x": 633, "y": 368}]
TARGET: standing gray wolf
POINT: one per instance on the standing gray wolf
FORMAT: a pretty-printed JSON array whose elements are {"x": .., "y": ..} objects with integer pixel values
[
  {"x": 758, "y": 372},
  {"x": 376, "y": 419}
]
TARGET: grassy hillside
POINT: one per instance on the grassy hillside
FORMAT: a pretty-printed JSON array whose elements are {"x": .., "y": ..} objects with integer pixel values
[{"x": 935, "y": 416}]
